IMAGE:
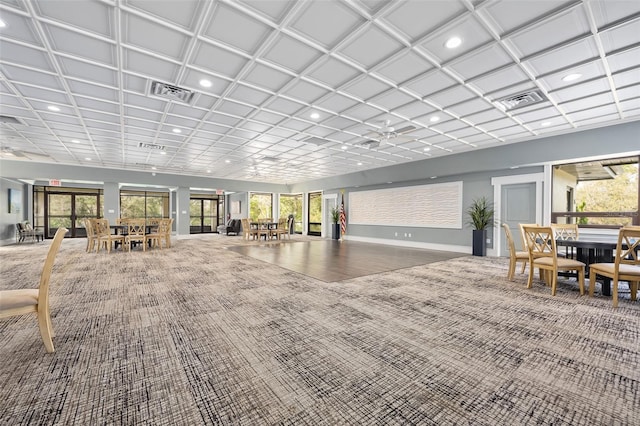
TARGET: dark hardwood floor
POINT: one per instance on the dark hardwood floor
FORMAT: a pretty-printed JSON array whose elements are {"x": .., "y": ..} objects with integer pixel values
[{"x": 333, "y": 260}]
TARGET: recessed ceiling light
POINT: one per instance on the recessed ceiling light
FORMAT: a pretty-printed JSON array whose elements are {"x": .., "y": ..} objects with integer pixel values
[
  {"x": 208, "y": 171},
  {"x": 163, "y": 153},
  {"x": 433, "y": 177},
  {"x": 453, "y": 42},
  {"x": 154, "y": 168},
  {"x": 227, "y": 161},
  {"x": 359, "y": 164},
  {"x": 75, "y": 141},
  {"x": 344, "y": 147},
  {"x": 315, "y": 115},
  {"x": 545, "y": 124},
  {"x": 2, "y": 24},
  {"x": 571, "y": 77},
  {"x": 87, "y": 158},
  {"x": 53, "y": 108},
  {"x": 177, "y": 131},
  {"x": 205, "y": 83},
  {"x": 427, "y": 148},
  {"x": 389, "y": 182},
  {"x": 514, "y": 167},
  {"x": 434, "y": 119}
]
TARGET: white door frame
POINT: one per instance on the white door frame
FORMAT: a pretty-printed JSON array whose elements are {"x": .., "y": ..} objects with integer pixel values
[{"x": 498, "y": 182}]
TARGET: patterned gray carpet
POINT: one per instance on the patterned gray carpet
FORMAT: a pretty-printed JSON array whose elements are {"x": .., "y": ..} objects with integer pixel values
[{"x": 198, "y": 334}]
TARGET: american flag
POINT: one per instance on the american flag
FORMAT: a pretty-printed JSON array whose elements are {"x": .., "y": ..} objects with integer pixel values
[{"x": 343, "y": 217}]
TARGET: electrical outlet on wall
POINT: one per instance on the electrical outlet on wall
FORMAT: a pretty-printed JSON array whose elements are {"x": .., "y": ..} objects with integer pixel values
[{"x": 488, "y": 240}]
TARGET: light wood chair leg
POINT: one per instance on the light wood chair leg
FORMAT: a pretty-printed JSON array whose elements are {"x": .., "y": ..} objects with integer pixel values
[
  {"x": 44, "y": 322},
  {"x": 614, "y": 293},
  {"x": 633, "y": 286},
  {"x": 581, "y": 281},
  {"x": 554, "y": 283},
  {"x": 592, "y": 282}
]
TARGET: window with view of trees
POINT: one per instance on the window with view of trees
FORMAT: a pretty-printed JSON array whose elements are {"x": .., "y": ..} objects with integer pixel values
[
  {"x": 292, "y": 204},
  {"x": 143, "y": 204},
  {"x": 260, "y": 206},
  {"x": 602, "y": 193}
]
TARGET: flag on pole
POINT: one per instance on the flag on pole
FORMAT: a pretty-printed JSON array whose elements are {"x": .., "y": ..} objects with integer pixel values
[{"x": 343, "y": 217}]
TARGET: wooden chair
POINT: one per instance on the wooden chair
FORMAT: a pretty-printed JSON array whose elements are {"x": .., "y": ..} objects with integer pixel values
[
  {"x": 282, "y": 229},
  {"x": 626, "y": 266},
  {"x": 566, "y": 232},
  {"x": 525, "y": 248},
  {"x": 92, "y": 239},
  {"x": 25, "y": 301},
  {"x": 543, "y": 254},
  {"x": 263, "y": 228},
  {"x": 514, "y": 256},
  {"x": 104, "y": 236},
  {"x": 136, "y": 233},
  {"x": 247, "y": 231},
  {"x": 161, "y": 234}
]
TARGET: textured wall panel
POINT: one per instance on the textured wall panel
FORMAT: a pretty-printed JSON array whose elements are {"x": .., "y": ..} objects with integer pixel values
[{"x": 430, "y": 206}]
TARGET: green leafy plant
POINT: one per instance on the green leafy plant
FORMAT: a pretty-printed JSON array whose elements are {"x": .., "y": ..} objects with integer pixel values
[
  {"x": 480, "y": 213},
  {"x": 335, "y": 214}
]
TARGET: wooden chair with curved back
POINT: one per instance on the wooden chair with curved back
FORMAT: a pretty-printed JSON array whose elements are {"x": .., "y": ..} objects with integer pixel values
[
  {"x": 566, "y": 232},
  {"x": 136, "y": 233},
  {"x": 161, "y": 234},
  {"x": 543, "y": 255},
  {"x": 626, "y": 266},
  {"x": 104, "y": 236},
  {"x": 26, "y": 301},
  {"x": 92, "y": 239},
  {"x": 514, "y": 256}
]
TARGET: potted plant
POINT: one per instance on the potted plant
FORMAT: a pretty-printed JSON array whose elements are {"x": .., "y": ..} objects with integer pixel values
[
  {"x": 335, "y": 218},
  {"x": 480, "y": 218}
]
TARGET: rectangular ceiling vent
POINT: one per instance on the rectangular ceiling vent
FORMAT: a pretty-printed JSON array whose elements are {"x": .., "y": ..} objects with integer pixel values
[
  {"x": 522, "y": 100},
  {"x": 315, "y": 141},
  {"x": 11, "y": 120},
  {"x": 174, "y": 93},
  {"x": 151, "y": 146}
]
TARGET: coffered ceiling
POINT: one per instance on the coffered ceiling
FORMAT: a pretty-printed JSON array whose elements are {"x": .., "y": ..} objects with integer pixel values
[{"x": 296, "y": 87}]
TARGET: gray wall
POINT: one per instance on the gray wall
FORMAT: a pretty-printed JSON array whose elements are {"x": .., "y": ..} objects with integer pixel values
[
  {"x": 8, "y": 220},
  {"x": 475, "y": 169}
]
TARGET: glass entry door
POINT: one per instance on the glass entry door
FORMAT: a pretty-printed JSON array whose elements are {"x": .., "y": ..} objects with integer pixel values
[
  {"x": 69, "y": 210},
  {"x": 203, "y": 215},
  {"x": 315, "y": 213}
]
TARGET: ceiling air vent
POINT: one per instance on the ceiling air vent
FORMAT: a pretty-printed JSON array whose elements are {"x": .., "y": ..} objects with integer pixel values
[
  {"x": 522, "y": 100},
  {"x": 315, "y": 141},
  {"x": 174, "y": 93},
  {"x": 151, "y": 146},
  {"x": 10, "y": 120}
]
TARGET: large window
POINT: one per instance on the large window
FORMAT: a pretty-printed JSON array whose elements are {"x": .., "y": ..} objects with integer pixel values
[
  {"x": 260, "y": 206},
  {"x": 144, "y": 204},
  {"x": 291, "y": 204},
  {"x": 601, "y": 194}
]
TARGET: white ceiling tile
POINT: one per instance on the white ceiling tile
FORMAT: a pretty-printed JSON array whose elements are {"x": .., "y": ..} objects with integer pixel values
[
  {"x": 468, "y": 107},
  {"x": 621, "y": 36},
  {"x": 492, "y": 126},
  {"x": 183, "y": 13},
  {"x": 558, "y": 59},
  {"x": 312, "y": 22},
  {"x": 154, "y": 37},
  {"x": 248, "y": 95},
  {"x": 19, "y": 28},
  {"x": 224, "y": 27},
  {"x": 86, "y": 71},
  {"x": 448, "y": 126},
  {"x": 587, "y": 102},
  {"x": 267, "y": 77},
  {"x": 336, "y": 102},
  {"x": 404, "y": 67},
  {"x": 451, "y": 96},
  {"x": 589, "y": 114},
  {"x": 484, "y": 116},
  {"x": 73, "y": 43},
  {"x": 291, "y": 54},
  {"x": 31, "y": 77},
  {"x": 500, "y": 79},
  {"x": 234, "y": 108},
  {"x": 431, "y": 82},
  {"x": 417, "y": 18},
  {"x": 370, "y": 47},
  {"x": 274, "y": 10},
  {"x": 25, "y": 56},
  {"x": 480, "y": 62},
  {"x": 332, "y": 72},
  {"x": 43, "y": 95},
  {"x": 93, "y": 16},
  {"x": 581, "y": 90},
  {"x": 589, "y": 71},
  {"x": 391, "y": 100},
  {"x": 550, "y": 32},
  {"x": 630, "y": 92},
  {"x": 414, "y": 109},
  {"x": 284, "y": 106},
  {"x": 363, "y": 112},
  {"x": 218, "y": 60},
  {"x": 508, "y": 15},
  {"x": 305, "y": 91}
]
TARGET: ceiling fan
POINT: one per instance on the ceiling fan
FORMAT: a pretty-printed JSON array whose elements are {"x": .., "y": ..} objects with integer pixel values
[{"x": 385, "y": 134}]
